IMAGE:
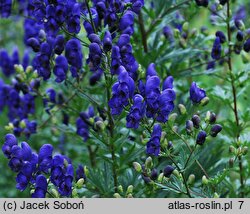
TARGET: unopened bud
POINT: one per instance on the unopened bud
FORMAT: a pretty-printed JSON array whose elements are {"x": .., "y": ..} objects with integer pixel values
[
  {"x": 79, "y": 183},
  {"x": 160, "y": 177},
  {"x": 232, "y": 149},
  {"x": 185, "y": 26},
  {"x": 100, "y": 125},
  {"x": 216, "y": 195},
  {"x": 137, "y": 167},
  {"x": 176, "y": 33},
  {"x": 55, "y": 193},
  {"x": 120, "y": 189},
  {"x": 191, "y": 179},
  {"x": 231, "y": 162},
  {"x": 172, "y": 117},
  {"x": 196, "y": 121},
  {"x": 74, "y": 193},
  {"x": 204, "y": 101},
  {"x": 129, "y": 195},
  {"x": 117, "y": 195},
  {"x": 244, "y": 150},
  {"x": 149, "y": 163},
  {"x": 189, "y": 126},
  {"x": 204, "y": 180},
  {"x": 182, "y": 109},
  {"x": 23, "y": 124},
  {"x": 130, "y": 189}
]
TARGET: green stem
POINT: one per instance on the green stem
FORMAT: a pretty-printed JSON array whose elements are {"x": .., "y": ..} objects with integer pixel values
[{"x": 235, "y": 108}]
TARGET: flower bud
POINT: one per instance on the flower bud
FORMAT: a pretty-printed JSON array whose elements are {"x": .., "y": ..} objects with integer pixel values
[
  {"x": 231, "y": 162},
  {"x": 23, "y": 124},
  {"x": 215, "y": 130},
  {"x": 185, "y": 26},
  {"x": 129, "y": 195},
  {"x": 189, "y": 126},
  {"x": 196, "y": 121},
  {"x": 160, "y": 177},
  {"x": 204, "y": 180},
  {"x": 204, "y": 101},
  {"x": 149, "y": 163},
  {"x": 137, "y": 167},
  {"x": 86, "y": 171},
  {"x": 191, "y": 179},
  {"x": 9, "y": 127},
  {"x": 216, "y": 195},
  {"x": 244, "y": 150},
  {"x": 99, "y": 125},
  {"x": 168, "y": 170},
  {"x": 130, "y": 189},
  {"x": 117, "y": 195},
  {"x": 212, "y": 118},
  {"x": 79, "y": 183},
  {"x": 172, "y": 117},
  {"x": 154, "y": 174},
  {"x": 120, "y": 189},
  {"x": 176, "y": 173},
  {"x": 75, "y": 193},
  {"x": 232, "y": 149},
  {"x": 182, "y": 109},
  {"x": 19, "y": 68},
  {"x": 176, "y": 33},
  {"x": 54, "y": 192},
  {"x": 201, "y": 137}
]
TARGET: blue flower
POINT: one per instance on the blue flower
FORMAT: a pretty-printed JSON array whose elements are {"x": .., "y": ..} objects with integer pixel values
[
  {"x": 153, "y": 145},
  {"x": 215, "y": 130},
  {"x": 168, "y": 170},
  {"x": 61, "y": 68},
  {"x": 196, "y": 93},
  {"x": 80, "y": 173},
  {"x": 216, "y": 50},
  {"x": 107, "y": 41},
  {"x": 136, "y": 112},
  {"x": 201, "y": 137},
  {"x": 45, "y": 158},
  {"x": 121, "y": 92},
  {"x": 41, "y": 187},
  {"x": 221, "y": 35},
  {"x": 95, "y": 56}
]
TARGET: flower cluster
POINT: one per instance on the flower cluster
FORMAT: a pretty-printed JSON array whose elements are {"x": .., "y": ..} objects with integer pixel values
[{"x": 33, "y": 168}]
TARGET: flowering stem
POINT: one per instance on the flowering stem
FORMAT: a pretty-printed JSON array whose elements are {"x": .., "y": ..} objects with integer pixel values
[
  {"x": 235, "y": 108},
  {"x": 111, "y": 131}
]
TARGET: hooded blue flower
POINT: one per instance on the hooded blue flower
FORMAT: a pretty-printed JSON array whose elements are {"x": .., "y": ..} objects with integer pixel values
[
  {"x": 196, "y": 93},
  {"x": 216, "y": 50},
  {"x": 80, "y": 173},
  {"x": 107, "y": 41},
  {"x": 61, "y": 68},
  {"x": 95, "y": 56},
  {"x": 73, "y": 53},
  {"x": 62, "y": 174},
  {"x": 40, "y": 187},
  {"x": 153, "y": 145},
  {"x": 121, "y": 92},
  {"x": 45, "y": 158},
  {"x": 136, "y": 112}
]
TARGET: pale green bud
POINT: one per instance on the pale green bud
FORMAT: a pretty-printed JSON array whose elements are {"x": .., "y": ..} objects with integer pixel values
[
  {"x": 130, "y": 189},
  {"x": 182, "y": 109},
  {"x": 117, "y": 195},
  {"x": 191, "y": 179},
  {"x": 80, "y": 183},
  {"x": 204, "y": 101},
  {"x": 204, "y": 180},
  {"x": 149, "y": 163},
  {"x": 137, "y": 167}
]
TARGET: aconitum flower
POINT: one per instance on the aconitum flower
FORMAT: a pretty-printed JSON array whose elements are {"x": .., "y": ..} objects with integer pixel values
[
  {"x": 196, "y": 93},
  {"x": 215, "y": 130},
  {"x": 168, "y": 83},
  {"x": 45, "y": 158},
  {"x": 73, "y": 53},
  {"x": 168, "y": 170},
  {"x": 5, "y": 8},
  {"x": 95, "y": 56},
  {"x": 201, "y": 137},
  {"x": 80, "y": 173},
  {"x": 126, "y": 23},
  {"x": 62, "y": 174},
  {"x": 221, "y": 35},
  {"x": 216, "y": 50},
  {"x": 40, "y": 187},
  {"x": 136, "y": 112},
  {"x": 168, "y": 33},
  {"x": 121, "y": 92},
  {"x": 246, "y": 45},
  {"x": 59, "y": 44},
  {"x": 107, "y": 41},
  {"x": 240, "y": 36},
  {"x": 153, "y": 145},
  {"x": 61, "y": 68}
]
